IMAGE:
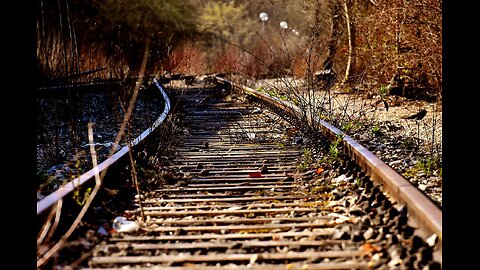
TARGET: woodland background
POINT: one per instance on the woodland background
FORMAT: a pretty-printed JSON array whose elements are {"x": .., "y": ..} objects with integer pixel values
[{"x": 366, "y": 42}]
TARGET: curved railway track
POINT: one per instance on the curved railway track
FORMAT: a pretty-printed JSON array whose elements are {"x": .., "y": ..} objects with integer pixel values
[
  {"x": 238, "y": 200},
  {"x": 46, "y": 203}
]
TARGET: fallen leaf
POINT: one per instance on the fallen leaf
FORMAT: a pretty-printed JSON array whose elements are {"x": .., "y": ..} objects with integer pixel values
[
  {"x": 319, "y": 170},
  {"x": 255, "y": 174},
  {"x": 368, "y": 249}
]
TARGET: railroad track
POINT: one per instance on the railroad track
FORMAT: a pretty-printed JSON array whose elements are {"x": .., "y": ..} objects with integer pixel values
[{"x": 239, "y": 200}]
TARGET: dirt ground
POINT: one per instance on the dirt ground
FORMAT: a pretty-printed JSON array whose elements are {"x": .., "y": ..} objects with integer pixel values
[{"x": 411, "y": 147}]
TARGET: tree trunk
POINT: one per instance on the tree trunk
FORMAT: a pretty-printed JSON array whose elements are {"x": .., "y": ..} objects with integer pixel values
[
  {"x": 335, "y": 33},
  {"x": 350, "y": 37}
]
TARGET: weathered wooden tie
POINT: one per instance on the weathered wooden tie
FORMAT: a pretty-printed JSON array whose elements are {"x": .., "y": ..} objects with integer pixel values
[{"x": 229, "y": 214}]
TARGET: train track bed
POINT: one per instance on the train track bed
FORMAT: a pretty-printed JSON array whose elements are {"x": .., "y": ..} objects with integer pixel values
[
  {"x": 412, "y": 148},
  {"x": 397, "y": 147},
  {"x": 247, "y": 190},
  {"x": 106, "y": 110}
]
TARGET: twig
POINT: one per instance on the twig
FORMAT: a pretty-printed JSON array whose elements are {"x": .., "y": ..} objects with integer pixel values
[
  {"x": 58, "y": 212},
  {"x": 135, "y": 181},
  {"x": 350, "y": 47},
  {"x": 132, "y": 101},
  {"x": 46, "y": 225},
  {"x": 79, "y": 260},
  {"x": 268, "y": 46},
  {"x": 85, "y": 207},
  {"x": 98, "y": 178},
  {"x": 247, "y": 51}
]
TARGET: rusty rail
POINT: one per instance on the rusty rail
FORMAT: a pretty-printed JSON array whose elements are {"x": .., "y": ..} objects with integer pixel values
[
  {"x": 423, "y": 211},
  {"x": 63, "y": 191},
  {"x": 234, "y": 196}
]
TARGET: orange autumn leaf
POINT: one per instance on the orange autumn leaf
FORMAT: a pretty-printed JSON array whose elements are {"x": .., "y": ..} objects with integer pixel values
[
  {"x": 319, "y": 170},
  {"x": 369, "y": 249}
]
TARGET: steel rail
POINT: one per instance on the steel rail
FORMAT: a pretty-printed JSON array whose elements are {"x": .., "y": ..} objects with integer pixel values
[
  {"x": 423, "y": 211},
  {"x": 52, "y": 85},
  {"x": 43, "y": 89},
  {"x": 60, "y": 193}
]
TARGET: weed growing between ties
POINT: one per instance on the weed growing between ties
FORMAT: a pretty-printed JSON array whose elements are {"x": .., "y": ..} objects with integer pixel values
[{"x": 155, "y": 158}]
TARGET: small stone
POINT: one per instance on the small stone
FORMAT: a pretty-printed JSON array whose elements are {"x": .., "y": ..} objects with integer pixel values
[
  {"x": 425, "y": 254},
  {"x": 432, "y": 240},
  {"x": 343, "y": 233},
  {"x": 417, "y": 243},
  {"x": 430, "y": 184},
  {"x": 102, "y": 231},
  {"x": 357, "y": 210},
  {"x": 256, "y": 110},
  {"x": 338, "y": 194},
  {"x": 381, "y": 147},
  {"x": 360, "y": 137},
  {"x": 357, "y": 237},
  {"x": 340, "y": 235},
  {"x": 392, "y": 239},
  {"x": 391, "y": 164},
  {"x": 368, "y": 234},
  {"x": 340, "y": 178},
  {"x": 299, "y": 141},
  {"x": 407, "y": 231},
  {"x": 422, "y": 187}
]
